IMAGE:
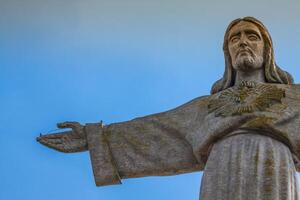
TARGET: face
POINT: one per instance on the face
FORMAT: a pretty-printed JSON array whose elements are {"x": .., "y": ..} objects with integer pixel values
[{"x": 246, "y": 46}]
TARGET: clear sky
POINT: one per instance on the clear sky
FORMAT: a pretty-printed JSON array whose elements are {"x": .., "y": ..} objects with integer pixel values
[{"x": 111, "y": 60}]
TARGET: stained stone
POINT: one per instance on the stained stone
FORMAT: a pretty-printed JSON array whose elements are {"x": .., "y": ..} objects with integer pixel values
[{"x": 244, "y": 136}]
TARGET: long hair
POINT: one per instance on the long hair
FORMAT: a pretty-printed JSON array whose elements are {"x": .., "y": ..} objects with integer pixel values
[{"x": 273, "y": 73}]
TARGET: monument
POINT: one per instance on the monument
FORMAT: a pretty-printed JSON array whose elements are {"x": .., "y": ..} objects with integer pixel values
[{"x": 244, "y": 136}]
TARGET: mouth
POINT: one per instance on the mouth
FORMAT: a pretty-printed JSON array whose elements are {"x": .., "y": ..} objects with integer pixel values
[{"x": 244, "y": 52}]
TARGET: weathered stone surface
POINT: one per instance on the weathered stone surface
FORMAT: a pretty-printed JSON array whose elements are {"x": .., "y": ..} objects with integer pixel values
[
  {"x": 244, "y": 136},
  {"x": 250, "y": 166},
  {"x": 105, "y": 171}
]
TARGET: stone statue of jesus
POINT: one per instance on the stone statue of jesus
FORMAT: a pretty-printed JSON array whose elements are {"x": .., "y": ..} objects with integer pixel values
[{"x": 244, "y": 136}]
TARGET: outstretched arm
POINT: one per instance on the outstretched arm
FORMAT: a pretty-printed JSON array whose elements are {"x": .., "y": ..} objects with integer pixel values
[{"x": 154, "y": 145}]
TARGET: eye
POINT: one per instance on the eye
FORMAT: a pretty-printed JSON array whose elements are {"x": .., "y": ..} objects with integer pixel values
[
  {"x": 253, "y": 37},
  {"x": 235, "y": 39}
]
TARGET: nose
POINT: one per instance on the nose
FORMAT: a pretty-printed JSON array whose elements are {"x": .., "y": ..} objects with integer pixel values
[{"x": 243, "y": 41}]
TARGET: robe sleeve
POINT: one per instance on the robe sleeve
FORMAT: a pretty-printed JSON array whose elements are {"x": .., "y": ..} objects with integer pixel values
[{"x": 154, "y": 145}]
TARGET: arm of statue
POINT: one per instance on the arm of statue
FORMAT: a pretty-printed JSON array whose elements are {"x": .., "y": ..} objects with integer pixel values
[
  {"x": 154, "y": 145},
  {"x": 68, "y": 141}
]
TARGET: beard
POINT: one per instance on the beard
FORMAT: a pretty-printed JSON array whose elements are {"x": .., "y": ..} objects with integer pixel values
[{"x": 247, "y": 62}]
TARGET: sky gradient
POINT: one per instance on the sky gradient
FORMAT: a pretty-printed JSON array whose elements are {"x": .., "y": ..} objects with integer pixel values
[{"x": 92, "y": 60}]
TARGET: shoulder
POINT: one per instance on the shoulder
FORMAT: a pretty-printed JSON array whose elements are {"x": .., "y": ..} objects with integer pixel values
[
  {"x": 199, "y": 101},
  {"x": 196, "y": 105},
  {"x": 290, "y": 90}
]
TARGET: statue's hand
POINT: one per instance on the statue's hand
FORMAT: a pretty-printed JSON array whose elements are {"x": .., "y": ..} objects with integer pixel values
[{"x": 67, "y": 142}]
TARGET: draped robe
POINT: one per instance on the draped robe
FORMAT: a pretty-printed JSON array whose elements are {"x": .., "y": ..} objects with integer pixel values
[{"x": 248, "y": 149}]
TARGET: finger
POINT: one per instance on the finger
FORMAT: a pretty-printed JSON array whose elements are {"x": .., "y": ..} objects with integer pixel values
[
  {"x": 57, "y": 144},
  {"x": 55, "y": 135},
  {"x": 67, "y": 142},
  {"x": 64, "y": 124},
  {"x": 47, "y": 140},
  {"x": 53, "y": 139},
  {"x": 68, "y": 124},
  {"x": 52, "y": 143},
  {"x": 43, "y": 138}
]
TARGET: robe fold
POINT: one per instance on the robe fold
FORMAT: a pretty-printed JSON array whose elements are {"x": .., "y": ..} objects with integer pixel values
[
  {"x": 247, "y": 147},
  {"x": 154, "y": 145}
]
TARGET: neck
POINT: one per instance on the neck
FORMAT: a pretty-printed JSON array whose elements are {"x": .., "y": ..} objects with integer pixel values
[{"x": 255, "y": 75}]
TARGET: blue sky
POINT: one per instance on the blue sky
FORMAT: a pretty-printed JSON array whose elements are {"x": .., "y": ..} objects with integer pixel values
[{"x": 111, "y": 60}]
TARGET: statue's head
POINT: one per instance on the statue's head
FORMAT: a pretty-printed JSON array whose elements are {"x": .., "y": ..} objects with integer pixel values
[{"x": 248, "y": 46}]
